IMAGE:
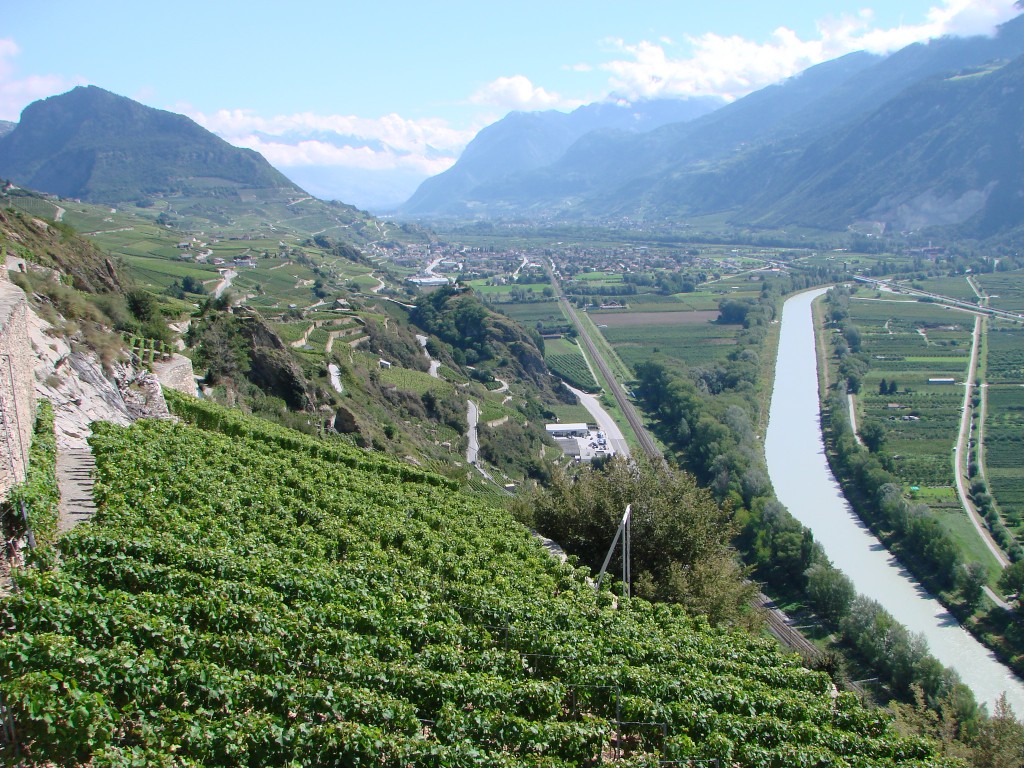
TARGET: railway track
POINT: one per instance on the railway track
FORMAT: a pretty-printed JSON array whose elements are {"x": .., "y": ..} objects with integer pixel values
[{"x": 647, "y": 444}]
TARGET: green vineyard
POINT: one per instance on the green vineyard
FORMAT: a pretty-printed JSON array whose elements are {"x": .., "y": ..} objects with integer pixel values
[
  {"x": 247, "y": 596},
  {"x": 572, "y": 368}
]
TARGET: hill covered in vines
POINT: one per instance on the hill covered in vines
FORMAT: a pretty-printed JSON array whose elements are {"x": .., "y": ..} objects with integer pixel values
[{"x": 249, "y": 596}]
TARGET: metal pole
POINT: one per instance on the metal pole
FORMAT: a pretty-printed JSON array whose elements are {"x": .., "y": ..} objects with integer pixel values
[
  {"x": 628, "y": 554},
  {"x": 28, "y": 528},
  {"x": 611, "y": 549}
]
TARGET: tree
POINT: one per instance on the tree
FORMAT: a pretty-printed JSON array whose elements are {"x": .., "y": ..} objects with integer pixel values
[
  {"x": 830, "y": 590},
  {"x": 681, "y": 539},
  {"x": 141, "y": 304},
  {"x": 971, "y": 579},
  {"x": 190, "y": 284},
  {"x": 883, "y": 387},
  {"x": 1012, "y": 579},
  {"x": 1000, "y": 740},
  {"x": 873, "y": 435}
]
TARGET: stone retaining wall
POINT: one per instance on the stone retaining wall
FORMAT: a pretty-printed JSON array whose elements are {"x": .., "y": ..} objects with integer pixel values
[{"x": 17, "y": 386}]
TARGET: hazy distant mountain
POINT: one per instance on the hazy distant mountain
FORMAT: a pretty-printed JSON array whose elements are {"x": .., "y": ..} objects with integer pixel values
[
  {"x": 6, "y": 126},
  {"x": 98, "y": 146},
  {"x": 523, "y": 141},
  {"x": 808, "y": 150}
]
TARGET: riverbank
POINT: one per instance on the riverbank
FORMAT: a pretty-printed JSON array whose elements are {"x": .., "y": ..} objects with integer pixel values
[
  {"x": 804, "y": 482},
  {"x": 859, "y": 474}
]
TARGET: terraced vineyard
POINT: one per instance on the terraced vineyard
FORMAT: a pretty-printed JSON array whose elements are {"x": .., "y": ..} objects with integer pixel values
[{"x": 250, "y": 596}]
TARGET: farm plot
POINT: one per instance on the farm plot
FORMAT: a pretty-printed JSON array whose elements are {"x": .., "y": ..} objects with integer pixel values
[
  {"x": 654, "y": 302},
  {"x": 1005, "y": 355},
  {"x": 1005, "y": 290},
  {"x": 565, "y": 359},
  {"x": 1004, "y": 445},
  {"x": 954, "y": 287},
  {"x": 910, "y": 347},
  {"x": 689, "y": 337},
  {"x": 532, "y": 312},
  {"x": 159, "y": 273}
]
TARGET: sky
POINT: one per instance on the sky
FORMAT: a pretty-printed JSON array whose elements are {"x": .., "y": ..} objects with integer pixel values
[{"x": 362, "y": 101}]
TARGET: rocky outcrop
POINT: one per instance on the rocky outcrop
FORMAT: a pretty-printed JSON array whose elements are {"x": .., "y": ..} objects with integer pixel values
[
  {"x": 177, "y": 373},
  {"x": 344, "y": 421},
  {"x": 272, "y": 368}
]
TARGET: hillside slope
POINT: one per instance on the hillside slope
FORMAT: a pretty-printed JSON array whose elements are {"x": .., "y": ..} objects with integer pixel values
[
  {"x": 745, "y": 159},
  {"x": 246, "y": 598}
]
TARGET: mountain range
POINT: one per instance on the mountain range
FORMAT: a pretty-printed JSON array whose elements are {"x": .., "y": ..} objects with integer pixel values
[
  {"x": 525, "y": 141},
  {"x": 94, "y": 145},
  {"x": 924, "y": 137}
]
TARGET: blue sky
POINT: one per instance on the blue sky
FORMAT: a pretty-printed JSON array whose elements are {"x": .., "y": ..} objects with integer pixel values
[{"x": 386, "y": 93}]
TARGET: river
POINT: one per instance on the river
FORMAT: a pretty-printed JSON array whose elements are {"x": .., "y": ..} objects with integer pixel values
[{"x": 804, "y": 483}]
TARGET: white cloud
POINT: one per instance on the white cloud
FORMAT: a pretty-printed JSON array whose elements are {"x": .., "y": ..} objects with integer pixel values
[
  {"x": 17, "y": 92},
  {"x": 517, "y": 92},
  {"x": 311, "y": 152},
  {"x": 733, "y": 66},
  {"x": 307, "y": 139}
]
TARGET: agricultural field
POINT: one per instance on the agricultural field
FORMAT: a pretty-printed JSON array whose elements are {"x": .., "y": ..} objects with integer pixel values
[
  {"x": 157, "y": 273},
  {"x": 698, "y": 301},
  {"x": 343, "y": 608},
  {"x": 954, "y": 287},
  {"x": 1005, "y": 364},
  {"x": 1005, "y": 290},
  {"x": 1003, "y": 432},
  {"x": 1004, "y": 447},
  {"x": 907, "y": 344},
  {"x": 529, "y": 314},
  {"x": 565, "y": 359},
  {"x": 690, "y": 337}
]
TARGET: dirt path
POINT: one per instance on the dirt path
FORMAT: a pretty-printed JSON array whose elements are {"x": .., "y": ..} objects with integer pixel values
[
  {"x": 335, "y": 374},
  {"x": 226, "y": 277},
  {"x": 434, "y": 364},
  {"x": 75, "y": 468},
  {"x": 853, "y": 419}
]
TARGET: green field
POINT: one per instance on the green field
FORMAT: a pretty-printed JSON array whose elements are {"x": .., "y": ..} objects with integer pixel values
[
  {"x": 548, "y": 312},
  {"x": 1005, "y": 290},
  {"x": 1004, "y": 449},
  {"x": 565, "y": 359},
  {"x": 694, "y": 344},
  {"x": 909, "y": 343},
  {"x": 1005, "y": 363},
  {"x": 954, "y": 287}
]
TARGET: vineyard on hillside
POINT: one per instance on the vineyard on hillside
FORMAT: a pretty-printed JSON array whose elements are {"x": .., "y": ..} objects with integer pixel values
[{"x": 249, "y": 597}]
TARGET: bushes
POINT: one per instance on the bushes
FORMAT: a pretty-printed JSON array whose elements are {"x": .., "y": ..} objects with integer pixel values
[{"x": 39, "y": 493}]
